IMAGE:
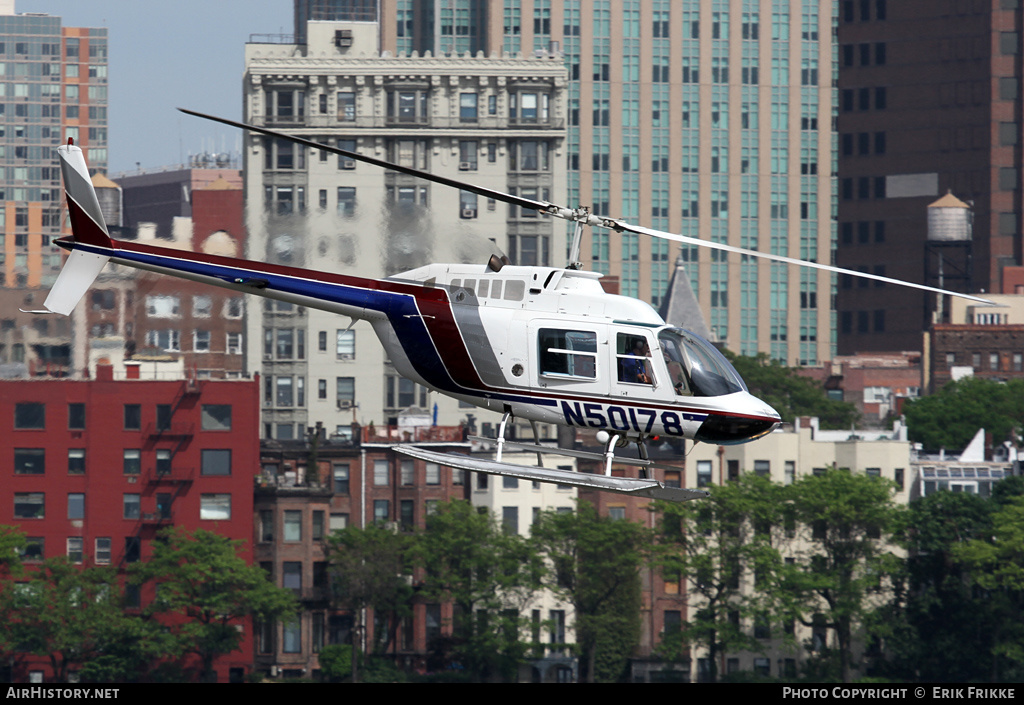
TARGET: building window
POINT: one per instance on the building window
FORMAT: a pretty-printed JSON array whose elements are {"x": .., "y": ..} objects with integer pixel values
[
  {"x": 102, "y": 551},
  {"x": 168, "y": 340},
  {"x": 468, "y": 151},
  {"x": 132, "y": 417},
  {"x": 202, "y": 306},
  {"x": 29, "y": 505},
  {"x": 132, "y": 461},
  {"x": 216, "y": 462},
  {"x": 346, "y": 392},
  {"x": 292, "y": 636},
  {"x": 29, "y": 415},
  {"x": 76, "y": 505},
  {"x": 132, "y": 506},
  {"x": 163, "y": 306},
  {"x": 215, "y": 507},
  {"x": 132, "y": 554},
  {"x": 76, "y": 461},
  {"x": 380, "y": 473},
  {"x": 346, "y": 201},
  {"x": 341, "y": 477},
  {"x": 29, "y": 461},
  {"x": 408, "y": 106},
  {"x": 381, "y": 510},
  {"x": 34, "y": 549},
  {"x": 201, "y": 341},
  {"x": 345, "y": 344},
  {"x": 346, "y": 106},
  {"x": 292, "y": 525},
  {"x": 163, "y": 461},
  {"x": 76, "y": 417},
  {"x": 75, "y": 549},
  {"x": 234, "y": 307},
  {"x": 216, "y": 417},
  {"x": 703, "y": 473},
  {"x": 433, "y": 474},
  {"x": 467, "y": 107}
]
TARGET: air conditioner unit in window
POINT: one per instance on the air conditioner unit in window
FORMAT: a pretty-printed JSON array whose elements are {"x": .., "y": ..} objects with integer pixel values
[
  {"x": 343, "y": 38},
  {"x": 346, "y": 356},
  {"x": 344, "y": 404},
  {"x": 348, "y": 164},
  {"x": 466, "y": 166},
  {"x": 267, "y": 358},
  {"x": 469, "y": 212}
]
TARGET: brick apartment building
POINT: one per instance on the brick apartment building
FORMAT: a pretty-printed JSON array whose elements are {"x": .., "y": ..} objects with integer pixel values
[
  {"x": 95, "y": 469},
  {"x": 358, "y": 480}
]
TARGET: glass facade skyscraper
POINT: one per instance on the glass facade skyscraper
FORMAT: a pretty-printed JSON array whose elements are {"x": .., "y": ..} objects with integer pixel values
[
  {"x": 713, "y": 119},
  {"x": 53, "y": 86}
]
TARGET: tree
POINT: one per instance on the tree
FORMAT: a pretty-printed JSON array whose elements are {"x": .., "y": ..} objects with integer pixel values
[
  {"x": 204, "y": 590},
  {"x": 67, "y": 613},
  {"x": 489, "y": 575},
  {"x": 996, "y": 565},
  {"x": 789, "y": 393},
  {"x": 843, "y": 562},
  {"x": 711, "y": 543},
  {"x": 596, "y": 567},
  {"x": 950, "y": 417},
  {"x": 936, "y": 628},
  {"x": 369, "y": 568}
]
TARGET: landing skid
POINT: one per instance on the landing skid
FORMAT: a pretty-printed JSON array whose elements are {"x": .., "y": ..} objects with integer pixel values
[{"x": 651, "y": 489}]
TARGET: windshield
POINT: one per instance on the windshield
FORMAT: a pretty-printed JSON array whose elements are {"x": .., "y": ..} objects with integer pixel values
[{"x": 709, "y": 373}]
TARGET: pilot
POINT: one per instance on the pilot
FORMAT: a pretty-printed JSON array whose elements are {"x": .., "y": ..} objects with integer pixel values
[{"x": 635, "y": 368}]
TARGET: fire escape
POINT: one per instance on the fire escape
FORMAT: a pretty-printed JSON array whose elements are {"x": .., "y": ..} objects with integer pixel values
[{"x": 167, "y": 479}]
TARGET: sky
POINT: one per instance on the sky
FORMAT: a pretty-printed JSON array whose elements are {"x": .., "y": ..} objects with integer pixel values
[{"x": 166, "y": 54}]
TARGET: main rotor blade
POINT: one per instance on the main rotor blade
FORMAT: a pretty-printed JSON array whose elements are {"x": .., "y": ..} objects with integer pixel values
[
  {"x": 579, "y": 215},
  {"x": 542, "y": 206},
  {"x": 790, "y": 260}
]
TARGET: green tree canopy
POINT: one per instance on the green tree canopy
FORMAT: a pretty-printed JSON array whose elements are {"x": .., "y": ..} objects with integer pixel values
[
  {"x": 840, "y": 517},
  {"x": 935, "y": 628},
  {"x": 789, "y": 393},
  {"x": 489, "y": 575},
  {"x": 596, "y": 566},
  {"x": 207, "y": 588},
  {"x": 996, "y": 564},
  {"x": 711, "y": 542},
  {"x": 371, "y": 567},
  {"x": 66, "y": 613},
  {"x": 950, "y": 417}
]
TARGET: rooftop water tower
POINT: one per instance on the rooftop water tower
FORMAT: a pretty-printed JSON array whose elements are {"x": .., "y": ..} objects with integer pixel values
[{"x": 948, "y": 260}]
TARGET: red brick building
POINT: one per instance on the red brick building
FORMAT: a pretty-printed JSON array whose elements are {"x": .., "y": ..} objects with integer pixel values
[
  {"x": 992, "y": 351},
  {"x": 95, "y": 469},
  {"x": 356, "y": 482}
]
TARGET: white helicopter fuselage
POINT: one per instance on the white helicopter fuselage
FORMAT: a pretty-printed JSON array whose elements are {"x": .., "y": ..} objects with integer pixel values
[{"x": 551, "y": 345}]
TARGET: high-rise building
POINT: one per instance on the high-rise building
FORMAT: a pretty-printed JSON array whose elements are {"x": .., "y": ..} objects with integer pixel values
[
  {"x": 495, "y": 122},
  {"x": 713, "y": 119},
  {"x": 53, "y": 86},
  {"x": 929, "y": 103}
]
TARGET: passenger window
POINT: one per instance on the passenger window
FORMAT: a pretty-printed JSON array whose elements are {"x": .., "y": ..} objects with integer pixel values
[
  {"x": 633, "y": 355},
  {"x": 568, "y": 353}
]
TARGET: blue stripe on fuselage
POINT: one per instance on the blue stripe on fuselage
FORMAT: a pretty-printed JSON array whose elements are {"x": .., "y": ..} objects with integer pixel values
[{"x": 400, "y": 309}]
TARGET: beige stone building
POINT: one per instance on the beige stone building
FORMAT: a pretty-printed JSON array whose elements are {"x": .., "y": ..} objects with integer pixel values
[{"x": 495, "y": 122}]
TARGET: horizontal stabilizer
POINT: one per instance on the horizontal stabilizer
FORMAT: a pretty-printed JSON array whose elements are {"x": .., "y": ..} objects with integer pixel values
[
  {"x": 651, "y": 489},
  {"x": 79, "y": 272}
]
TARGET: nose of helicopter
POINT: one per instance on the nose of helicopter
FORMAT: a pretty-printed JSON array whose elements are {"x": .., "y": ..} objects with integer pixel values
[{"x": 747, "y": 418}]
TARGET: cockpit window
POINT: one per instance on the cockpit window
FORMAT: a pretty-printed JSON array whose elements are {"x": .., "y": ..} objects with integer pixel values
[{"x": 696, "y": 366}]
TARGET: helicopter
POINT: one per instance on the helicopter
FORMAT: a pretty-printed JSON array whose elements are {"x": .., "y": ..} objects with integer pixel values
[{"x": 544, "y": 344}]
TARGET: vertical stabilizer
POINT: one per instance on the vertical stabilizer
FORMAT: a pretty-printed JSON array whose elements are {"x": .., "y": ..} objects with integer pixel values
[
  {"x": 86, "y": 219},
  {"x": 87, "y": 227}
]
